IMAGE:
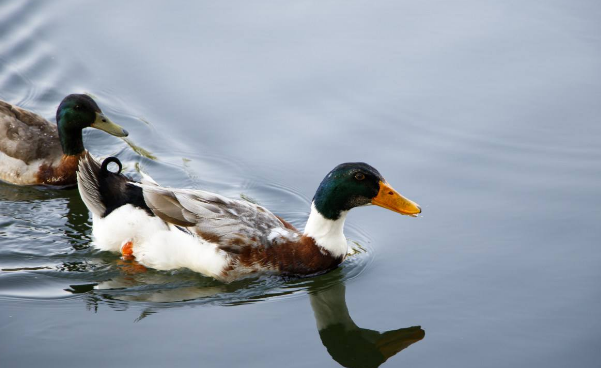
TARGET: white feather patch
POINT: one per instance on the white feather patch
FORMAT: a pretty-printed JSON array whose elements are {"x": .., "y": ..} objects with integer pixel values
[
  {"x": 156, "y": 244},
  {"x": 18, "y": 172},
  {"x": 328, "y": 234}
]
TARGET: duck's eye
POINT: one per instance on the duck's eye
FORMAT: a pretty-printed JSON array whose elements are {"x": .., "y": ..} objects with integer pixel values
[
  {"x": 359, "y": 176},
  {"x": 76, "y": 107}
]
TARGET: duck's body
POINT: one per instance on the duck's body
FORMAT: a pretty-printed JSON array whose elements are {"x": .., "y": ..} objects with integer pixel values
[
  {"x": 165, "y": 246},
  {"x": 227, "y": 239},
  {"x": 34, "y": 151}
]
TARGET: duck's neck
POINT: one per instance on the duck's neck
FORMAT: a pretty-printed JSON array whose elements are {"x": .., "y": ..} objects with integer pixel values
[
  {"x": 327, "y": 233},
  {"x": 71, "y": 139}
]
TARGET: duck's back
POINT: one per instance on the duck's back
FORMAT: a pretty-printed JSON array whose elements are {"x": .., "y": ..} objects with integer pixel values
[{"x": 27, "y": 141}]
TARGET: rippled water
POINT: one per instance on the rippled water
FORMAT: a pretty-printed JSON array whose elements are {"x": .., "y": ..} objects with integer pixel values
[{"x": 483, "y": 112}]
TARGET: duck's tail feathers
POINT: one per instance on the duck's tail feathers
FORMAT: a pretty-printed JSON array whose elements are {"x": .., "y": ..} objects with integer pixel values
[
  {"x": 147, "y": 180},
  {"x": 88, "y": 184},
  {"x": 103, "y": 191}
]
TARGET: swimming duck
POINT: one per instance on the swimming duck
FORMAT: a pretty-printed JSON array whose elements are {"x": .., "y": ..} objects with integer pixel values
[
  {"x": 227, "y": 239},
  {"x": 35, "y": 152}
]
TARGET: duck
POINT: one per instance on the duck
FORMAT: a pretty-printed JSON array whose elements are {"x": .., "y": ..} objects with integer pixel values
[
  {"x": 227, "y": 239},
  {"x": 34, "y": 151}
]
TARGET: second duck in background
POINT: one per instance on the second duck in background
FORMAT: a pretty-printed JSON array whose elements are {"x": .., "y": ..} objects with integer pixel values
[{"x": 34, "y": 151}]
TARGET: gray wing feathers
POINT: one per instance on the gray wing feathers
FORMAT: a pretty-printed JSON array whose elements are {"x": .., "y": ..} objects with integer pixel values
[
  {"x": 166, "y": 206},
  {"x": 232, "y": 224},
  {"x": 146, "y": 179},
  {"x": 87, "y": 183}
]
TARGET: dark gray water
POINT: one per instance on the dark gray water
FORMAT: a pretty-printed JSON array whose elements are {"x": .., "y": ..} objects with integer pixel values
[{"x": 486, "y": 113}]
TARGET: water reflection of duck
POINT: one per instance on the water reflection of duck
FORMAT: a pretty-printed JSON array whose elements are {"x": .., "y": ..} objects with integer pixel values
[
  {"x": 227, "y": 239},
  {"x": 35, "y": 152},
  {"x": 349, "y": 344},
  {"x": 25, "y": 203}
]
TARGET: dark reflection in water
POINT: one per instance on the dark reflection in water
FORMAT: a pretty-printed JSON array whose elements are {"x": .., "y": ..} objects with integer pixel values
[
  {"x": 36, "y": 204},
  {"x": 347, "y": 343},
  {"x": 78, "y": 224}
]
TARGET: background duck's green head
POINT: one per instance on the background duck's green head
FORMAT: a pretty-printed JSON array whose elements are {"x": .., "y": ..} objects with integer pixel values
[
  {"x": 77, "y": 112},
  {"x": 357, "y": 184}
]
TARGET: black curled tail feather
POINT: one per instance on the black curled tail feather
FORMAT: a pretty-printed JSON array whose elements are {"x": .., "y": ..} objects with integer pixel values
[
  {"x": 104, "y": 168},
  {"x": 104, "y": 191}
]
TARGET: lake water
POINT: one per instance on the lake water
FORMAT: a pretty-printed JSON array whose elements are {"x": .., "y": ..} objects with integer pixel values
[{"x": 486, "y": 113}]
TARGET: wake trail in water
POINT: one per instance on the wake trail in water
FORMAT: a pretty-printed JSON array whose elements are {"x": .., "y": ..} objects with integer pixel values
[{"x": 32, "y": 73}]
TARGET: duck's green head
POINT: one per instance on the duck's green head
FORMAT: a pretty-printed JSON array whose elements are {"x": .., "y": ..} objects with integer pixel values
[
  {"x": 357, "y": 184},
  {"x": 77, "y": 112}
]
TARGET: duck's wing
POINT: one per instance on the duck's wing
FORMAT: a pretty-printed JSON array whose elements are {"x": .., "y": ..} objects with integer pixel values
[
  {"x": 27, "y": 136},
  {"x": 231, "y": 224}
]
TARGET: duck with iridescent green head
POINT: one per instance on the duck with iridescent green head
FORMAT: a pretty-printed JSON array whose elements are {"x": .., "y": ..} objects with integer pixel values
[
  {"x": 227, "y": 239},
  {"x": 34, "y": 151}
]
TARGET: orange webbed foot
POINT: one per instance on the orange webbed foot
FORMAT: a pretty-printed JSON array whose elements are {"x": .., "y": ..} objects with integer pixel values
[
  {"x": 128, "y": 261},
  {"x": 127, "y": 251}
]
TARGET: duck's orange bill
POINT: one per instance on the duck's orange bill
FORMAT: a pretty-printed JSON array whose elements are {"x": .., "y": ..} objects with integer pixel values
[{"x": 390, "y": 199}]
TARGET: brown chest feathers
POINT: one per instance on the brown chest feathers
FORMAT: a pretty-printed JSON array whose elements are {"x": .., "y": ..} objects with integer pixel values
[
  {"x": 62, "y": 174},
  {"x": 300, "y": 258}
]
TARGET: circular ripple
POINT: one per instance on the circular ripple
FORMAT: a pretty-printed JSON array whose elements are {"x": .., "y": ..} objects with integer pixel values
[{"x": 46, "y": 240}]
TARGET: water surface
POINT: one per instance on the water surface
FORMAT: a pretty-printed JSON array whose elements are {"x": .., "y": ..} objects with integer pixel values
[{"x": 485, "y": 113}]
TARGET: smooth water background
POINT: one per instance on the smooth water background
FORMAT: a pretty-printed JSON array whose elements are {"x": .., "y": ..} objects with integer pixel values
[{"x": 486, "y": 113}]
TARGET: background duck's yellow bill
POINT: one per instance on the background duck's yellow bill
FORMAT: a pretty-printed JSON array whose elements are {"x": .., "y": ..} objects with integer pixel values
[
  {"x": 390, "y": 199},
  {"x": 104, "y": 123}
]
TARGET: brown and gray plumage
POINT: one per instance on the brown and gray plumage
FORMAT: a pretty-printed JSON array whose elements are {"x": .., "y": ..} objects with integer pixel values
[
  {"x": 167, "y": 228},
  {"x": 34, "y": 151},
  {"x": 254, "y": 239}
]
